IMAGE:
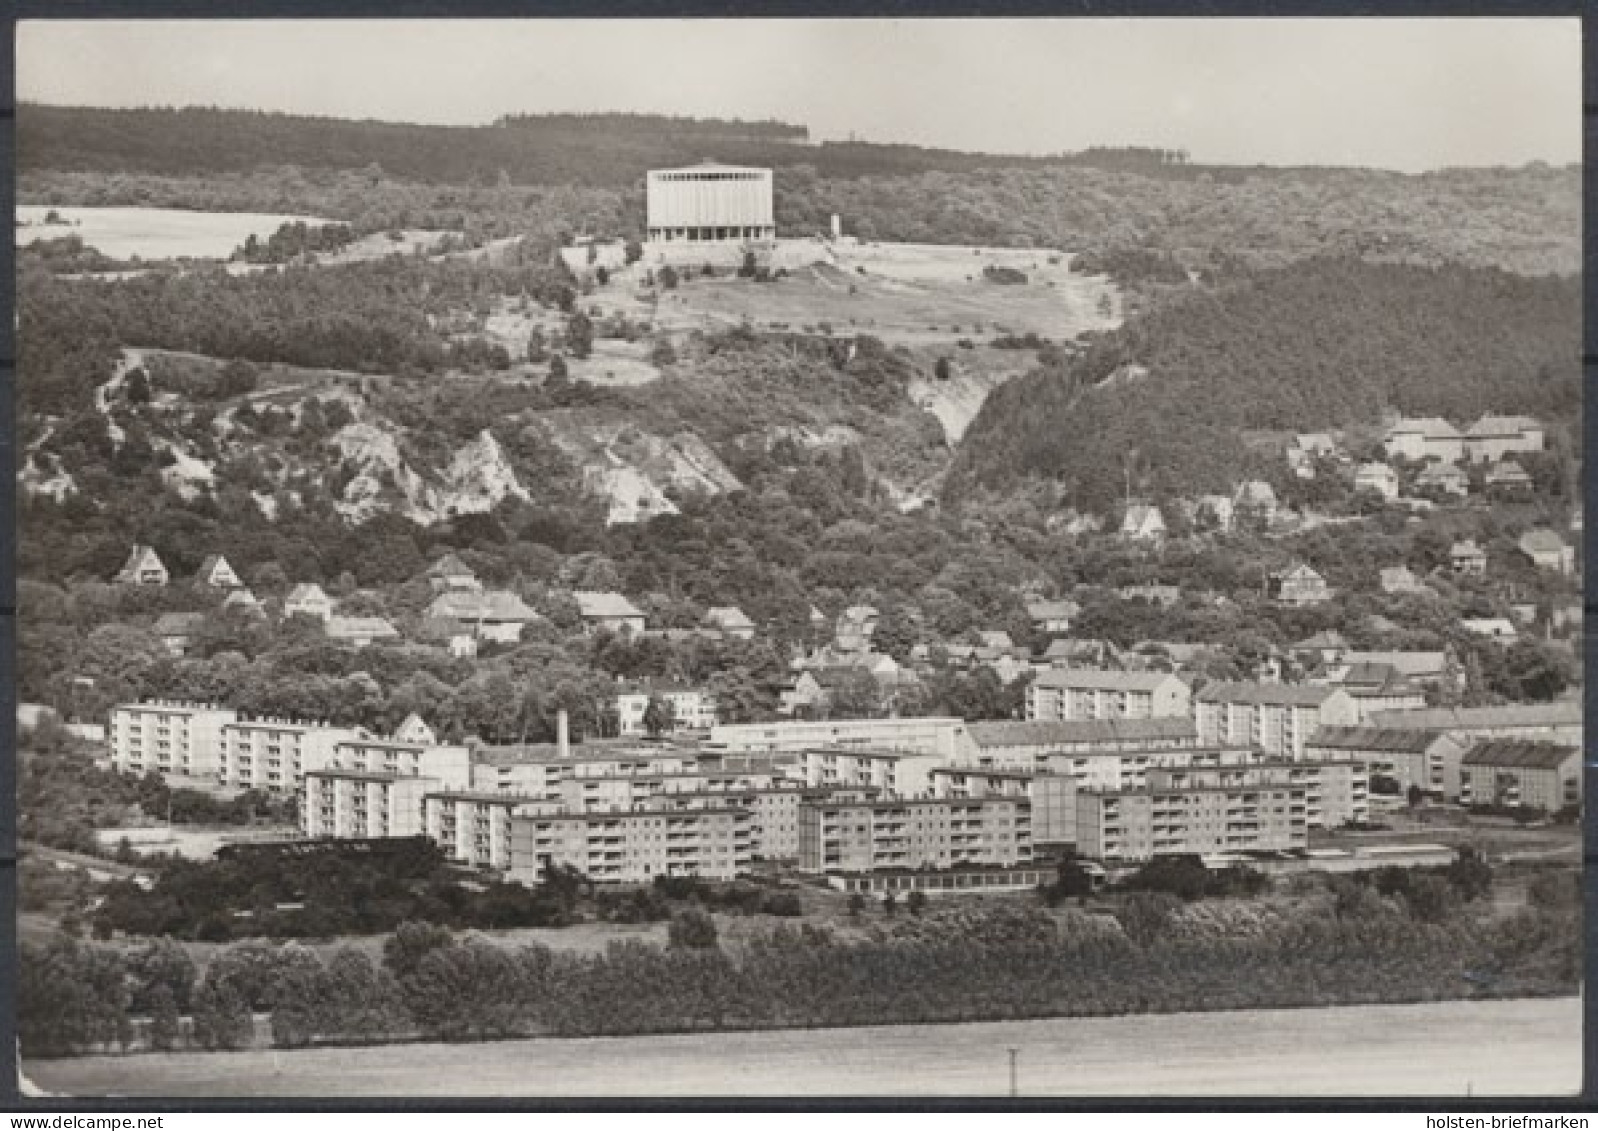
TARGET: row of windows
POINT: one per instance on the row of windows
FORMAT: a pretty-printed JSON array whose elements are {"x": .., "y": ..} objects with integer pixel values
[{"x": 762, "y": 175}]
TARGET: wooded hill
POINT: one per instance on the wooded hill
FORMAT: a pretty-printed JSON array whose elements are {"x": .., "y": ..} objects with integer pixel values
[{"x": 1322, "y": 344}]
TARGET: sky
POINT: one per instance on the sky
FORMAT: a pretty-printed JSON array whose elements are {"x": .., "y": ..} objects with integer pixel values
[{"x": 1387, "y": 93}]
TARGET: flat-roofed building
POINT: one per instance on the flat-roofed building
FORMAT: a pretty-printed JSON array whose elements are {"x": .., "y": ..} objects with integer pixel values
[
  {"x": 1163, "y": 819},
  {"x": 168, "y": 737},
  {"x": 353, "y": 804},
  {"x": 450, "y": 766},
  {"x": 1516, "y": 772},
  {"x": 1053, "y": 796},
  {"x": 1428, "y": 759},
  {"x": 536, "y": 771},
  {"x": 1559, "y": 721},
  {"x": 1336, "y": 793},
  {"x": 1030, "y": 745},
  {"x": 1277, "y": 718},
  {"x": 275, "y": 753},
  {"x": 710, "y": 840},
  {"x": 1064, "y": 694},
  {"x": 902, "y": 773},
  {"x": 857, "y": 836},
  {"x": 472, "y": 828},
  {"x": 709, "y": 203},
  {"x": 943, "y": 736}
]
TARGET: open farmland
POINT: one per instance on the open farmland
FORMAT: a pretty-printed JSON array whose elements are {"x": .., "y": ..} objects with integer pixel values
[
  {"x": 1479, "y": 1048},
  {"x": 151, "y": 233}
]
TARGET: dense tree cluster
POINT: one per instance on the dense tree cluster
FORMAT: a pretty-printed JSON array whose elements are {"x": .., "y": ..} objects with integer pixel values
[
  {"x": 1324, "y": 344},
  {"x": 1359, "y": 942}
]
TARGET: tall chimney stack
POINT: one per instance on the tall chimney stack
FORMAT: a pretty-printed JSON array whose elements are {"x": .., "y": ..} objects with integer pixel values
[{"x": 562, "y": 734}]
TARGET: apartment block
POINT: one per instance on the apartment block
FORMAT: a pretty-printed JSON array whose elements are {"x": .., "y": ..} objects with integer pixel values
[
  {"x": 1064, "y": 694},
  {"x": 713, "y": 841},
  {"x": 1031, "y": 746},
  {"x": 1540, "y": 775},
  {"x": 901, "y": 773},
  {"x": 1277, "y": 718},
  {"x": 355, "y": 804},
  {"x": 472, "y": 828},
  {"x": 1411, "y": 757},
  {"x": 274, "y": 754},
  {"x": 1127, "y": 826},
  {"x": 536, "y": 772},
  {"x": 168, "y": 737},
  {"x": 865, "y": 835},
  {"x": 942, "y": 737},
  {"x": 450, "y": 766}
]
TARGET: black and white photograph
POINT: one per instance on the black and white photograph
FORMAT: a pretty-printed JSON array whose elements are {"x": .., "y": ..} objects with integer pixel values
[{"x": 1029, "y": 559}]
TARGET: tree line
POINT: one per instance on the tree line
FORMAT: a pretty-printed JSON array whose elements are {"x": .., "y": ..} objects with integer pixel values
[{"x": 1356, "y": 945}]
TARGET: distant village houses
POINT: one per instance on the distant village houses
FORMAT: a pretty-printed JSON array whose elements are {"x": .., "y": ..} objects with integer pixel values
[{"x": 143, "y": 567}]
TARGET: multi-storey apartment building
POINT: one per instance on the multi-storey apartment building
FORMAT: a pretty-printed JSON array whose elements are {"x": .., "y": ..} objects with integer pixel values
[
  {"x": 168, "y": 737},
  {"x": 535, "y": 772},
  {"x": 902, "y": 773},
  {"x": 865, "y": 835},
  {"x": 1029, "y": 746},
  {"x": 1336, "y": 793},
  {"x": 274, "y": 754},
  {"x": 1130, "y": 826},
  {"x": 472, "y": 828},
  {"x": 1411, "y": 757},
  {"x": 939, "y": 736},
  {"x": 1507, "y": 771},
  {"x": 1086, "y": 693},
  {"x": 1277, "y": 718},
  {"x": 450, "y": 766},
  {"x": 356, "y": 804},
  {"x": 691, "y": 837},
  {"x": 692, "y": 708}
]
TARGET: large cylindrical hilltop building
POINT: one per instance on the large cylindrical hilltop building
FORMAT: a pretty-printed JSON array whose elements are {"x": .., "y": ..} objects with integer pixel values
[{"x": 710, "y": 203}]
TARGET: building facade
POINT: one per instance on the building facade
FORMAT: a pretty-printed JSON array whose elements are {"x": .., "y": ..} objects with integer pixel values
[
  {"x": 1514, "y": 772},
  {"x": 709, "y": 203},
  {"x": 354, "y": 804},
  {"x": 862, "y": 836},
  {"x": 168, "y": 737},
  {"x": 1066, "y": 694},
  {"x": 1277, "y": 718},
  {"x": 712, "y": 841},
  {"x": 274, "y": 754}
]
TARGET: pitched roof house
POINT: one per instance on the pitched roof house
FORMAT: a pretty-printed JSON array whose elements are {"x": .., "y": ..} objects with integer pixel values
[
  {"x": 1053, "y": 616},
  {"x": 1548, "y": 550},
  {"x": 1425, "y": 437},
  {"x": 1299, "y": 585},
  {"x": 143, "y": 567},
  {"x": 732, "y": 621},
  {"x": 1377, "y": 477},
  {"x": 1493, "y": 436},
  {"x": 1506, "y": 474},
  {"x": 307, "y": 598},
  {"x": 1400, "y": 579},
  {"x": 216, "y": 572},
  {"x": 360, "y": 631},
  {"x": 177, "y": 629},
  {"x": 1144, "y": 523},
  {"x": 449, "y": 572},
  {"x": 493, "y": 614},
  {"x": 1466, "y": 557},
  {"x": 603, "y": 609},
  {"x": 1447, "y": 477}
]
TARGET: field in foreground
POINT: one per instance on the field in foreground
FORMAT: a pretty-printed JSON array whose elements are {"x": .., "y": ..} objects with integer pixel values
[{"x": 1481, "y": 1048}]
